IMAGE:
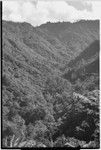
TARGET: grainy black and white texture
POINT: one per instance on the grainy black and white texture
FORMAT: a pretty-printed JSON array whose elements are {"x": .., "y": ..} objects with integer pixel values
[{"x": 50, "y": 84}]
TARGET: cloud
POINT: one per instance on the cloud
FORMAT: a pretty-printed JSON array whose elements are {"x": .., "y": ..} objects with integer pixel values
[
  {"x": 53, "y": 11},
  {"x": 80, "y": 5},
  {"x": 12, "y": 11}
]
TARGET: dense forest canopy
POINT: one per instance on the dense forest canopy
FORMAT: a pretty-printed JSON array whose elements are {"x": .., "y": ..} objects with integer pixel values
[{"x": 50, "y": 84}]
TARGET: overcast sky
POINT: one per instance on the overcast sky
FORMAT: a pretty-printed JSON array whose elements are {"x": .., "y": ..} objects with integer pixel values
[{"x": 42, "y": 11}]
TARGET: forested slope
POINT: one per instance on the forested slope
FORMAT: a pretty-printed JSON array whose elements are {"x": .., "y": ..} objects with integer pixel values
[{"x": 50, "y": 84}]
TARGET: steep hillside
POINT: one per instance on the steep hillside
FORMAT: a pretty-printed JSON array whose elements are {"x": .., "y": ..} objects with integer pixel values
[
  {"x": 84, "y": 65},
  {"x": 50, "y": 85},
  {"x": 48, "y": 48},
  {"x": 91, "y": 51}
]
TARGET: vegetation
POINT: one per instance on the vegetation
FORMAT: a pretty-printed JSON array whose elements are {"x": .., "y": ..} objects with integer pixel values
[{"x": 50, "y": 96}]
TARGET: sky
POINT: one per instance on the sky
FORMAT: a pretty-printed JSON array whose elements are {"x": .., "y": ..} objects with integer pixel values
[{"x": 43, "y": 11}]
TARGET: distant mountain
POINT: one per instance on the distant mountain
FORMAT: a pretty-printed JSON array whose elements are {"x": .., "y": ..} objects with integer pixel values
[
  {"x": 56, "y": 42},
  {"x": 75, "y": 36}
]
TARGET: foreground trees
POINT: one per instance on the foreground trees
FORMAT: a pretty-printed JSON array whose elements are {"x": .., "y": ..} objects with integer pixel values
[{"x": 66, "y": 118}]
